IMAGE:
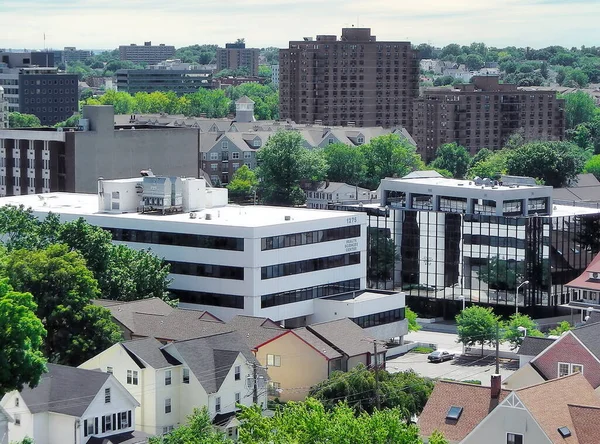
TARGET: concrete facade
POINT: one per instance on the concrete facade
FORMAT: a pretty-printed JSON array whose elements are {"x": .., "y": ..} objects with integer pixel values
[{"x": 146, "y": 53}]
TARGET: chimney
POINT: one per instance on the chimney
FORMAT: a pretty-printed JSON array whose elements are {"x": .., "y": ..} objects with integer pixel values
[{"x": 496, "y": 386}]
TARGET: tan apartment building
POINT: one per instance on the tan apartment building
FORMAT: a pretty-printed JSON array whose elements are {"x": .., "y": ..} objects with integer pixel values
[
  {"x": 484, "y": 114},
  {"x": 352, "y": 81},
  {"x": 236, "y": 55}
]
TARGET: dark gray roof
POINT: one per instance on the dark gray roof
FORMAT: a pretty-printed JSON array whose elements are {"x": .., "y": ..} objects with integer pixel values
[
  {"x": 149, "y": 350},
  {"x": 135, "y": 437},
  {"x": 255, "y": 331},
  {"x": 534, "y": 346},
  {"x": 589, "y": 335},
  {"x": 66, "y": 390},
  {"x": 318, "y": 344},
  {"x": 345, "y": 336},
  {"x": 210, "y": 358}
]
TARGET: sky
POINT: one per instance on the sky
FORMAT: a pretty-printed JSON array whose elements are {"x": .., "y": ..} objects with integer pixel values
[{"x": 106, "y": 24}]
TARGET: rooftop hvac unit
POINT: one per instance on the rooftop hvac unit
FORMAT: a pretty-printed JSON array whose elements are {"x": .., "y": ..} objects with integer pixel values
[{"x": 164, "y": 194}]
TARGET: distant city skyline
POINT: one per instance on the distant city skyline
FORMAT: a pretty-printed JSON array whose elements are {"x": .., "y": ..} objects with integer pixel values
[{"x": 108, "y": 24}]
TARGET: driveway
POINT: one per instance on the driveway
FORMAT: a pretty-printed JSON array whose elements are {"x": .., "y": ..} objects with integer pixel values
[
  {"x": 444, "y": 341},
  {"x": 460, "y": 368}
]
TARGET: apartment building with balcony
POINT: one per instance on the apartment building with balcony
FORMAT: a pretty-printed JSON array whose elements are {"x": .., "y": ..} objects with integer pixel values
[
  {"x": 235, "y": 56},
  {"x": 354, "y": 80},
  {"x": 484, "y": 114}
]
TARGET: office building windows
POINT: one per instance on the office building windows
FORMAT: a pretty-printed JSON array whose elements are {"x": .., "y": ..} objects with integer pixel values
[
  {"x": 305, "y": 294},
  {"x": 207, "y": 270},
  {"x": 178, "y": 239},
  {"x": 309, "y": 265},
  {"x": 309, "y": 237}
]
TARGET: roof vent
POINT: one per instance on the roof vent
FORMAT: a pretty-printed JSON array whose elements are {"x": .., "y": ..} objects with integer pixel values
[
  {"x": 288, "y": 217},
  {"x": 192, "y": 215},
  {"x": 454, "y": 413},
  {"x": 208, "y": 216},
  {"x": 564, "y": 432}
]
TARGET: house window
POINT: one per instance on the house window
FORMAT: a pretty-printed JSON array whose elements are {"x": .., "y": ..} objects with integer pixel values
[
  {"x": 225, "y": 145},
  {"x": 274, "y": 388},
  {"x": 123, "y": 422},
  {"x": 109, "y": 370},
  {"x": 273, "y": 361},
  {"x": 108, "y": 423},
  {"x": 360, "y": 140},
  {"x": 168, "y": 405},
  {"x": 566, "y": 368},
  {"x": 247, "y": 155},
  {"x": 106, "y": 395},
  {"x": 214, "y": 156},
  {"x": 132, "y": 377},
  {"x": 90, "y": 427},
  {"x": 576, "y": 368},
  {"x": 514, "y": 438},
  {"x": 256, "y": 143},
  {"x": 218, "y": 404},
  {"x": 331, "y": 140},
  {"x": 238, "y": 372},
  {"x": 186, "y": 375},
  {"x": 235, "y": 166},
  {"x": 237, "y": 398},
  {"x": 17, "y": 402},
  {"x": 167, "y": 377},
  {"x": 17, "y": 419},
  {"x": 167, "y": 429},
  {"x": 235, "y": 155}
]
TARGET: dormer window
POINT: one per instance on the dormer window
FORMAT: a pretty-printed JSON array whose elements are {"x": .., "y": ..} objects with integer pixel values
[
  {"x": 360, "y": 140},
  {"x": 256, "y": 143}
]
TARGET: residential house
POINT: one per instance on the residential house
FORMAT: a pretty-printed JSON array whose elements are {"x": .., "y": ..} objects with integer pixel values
[
  {"x": 563, "y": 410},
  {"x": 170, "y": 380},
  {"x": 327, "y": 192},
  {"x": 154, "y": 318},
  {"x": 5, "y": 419},
  {"x": 295, "y": 359},
  {"x": 585, "y": 289},
  {"x": 73, "y": 405},
  {"x": 531, "y": 347},
  {"x": 576, "y": 351}
]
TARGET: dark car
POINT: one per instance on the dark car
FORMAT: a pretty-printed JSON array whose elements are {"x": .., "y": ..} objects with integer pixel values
[{"x": 440, "y": 356}]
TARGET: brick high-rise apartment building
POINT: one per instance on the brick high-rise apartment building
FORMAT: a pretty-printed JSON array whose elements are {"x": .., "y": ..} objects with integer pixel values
[
  {"x": 484, "y": 114},
  {"x": 236, "y": 55},
  {"x": 355, "y": 79}
]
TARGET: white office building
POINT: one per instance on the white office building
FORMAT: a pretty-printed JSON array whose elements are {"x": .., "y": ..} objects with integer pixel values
[
  {"x": 228, "y": 259},
  {"x": 3, "y": 110}
]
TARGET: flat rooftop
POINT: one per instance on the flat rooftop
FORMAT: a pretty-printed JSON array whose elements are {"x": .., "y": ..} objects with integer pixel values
[
  {"x": 79, "y": 204},
  {"x": 458, "y": 183},
  {"x": 355, "y": 297}
]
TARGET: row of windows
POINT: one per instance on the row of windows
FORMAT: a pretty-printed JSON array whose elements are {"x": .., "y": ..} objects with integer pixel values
[
  {"x": 50, "y": 82},
  {"x": 178, "y": 239},
  {"x": 207, "y": 270},
  {"x": 309, "y": 237},
  {"x": 305, "y": 294},
  {"x": 309, "y": 265},
  {"x": 375, "y": 319},
  {"x": 116, "y": 421},
  {"x": 493, "y": 241},
  {"x": 205, "y": 298}
]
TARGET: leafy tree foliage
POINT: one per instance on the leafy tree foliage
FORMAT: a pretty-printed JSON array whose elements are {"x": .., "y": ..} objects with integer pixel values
[
  {"x": 513, "y": 335},
  {"x": 477, "y": 325},
  {"x": 198, "y": 430},
  {"x": 453, "y": 158},
  {"x": 62, "y": 288},
  {"x": 18, "y": 120},
  {"x": 382, "y": 256},
  {"x": 265, "y": 97},
  {"x": 491, "y": 164},
  {"x": 21, "y": 339},
  {"x": 282, "y": 166},
  {"x": 202, "y": 54},
  {"x": 579, "y": 108},
  {"x": 411, "y": 317},
  {"x": 553, "y": 162},
  {"x": 593, "y": 166},
  {"x": 502, "y": 274},
  {"x": 388, "y": 156},
  {"x": 346, "y": 163},
  {"x": 589, "y": 235},
  {"x": 561, "y": 328},
  {"x": 242, "y": 184}
]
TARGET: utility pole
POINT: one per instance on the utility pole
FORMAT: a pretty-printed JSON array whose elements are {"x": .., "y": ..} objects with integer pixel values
[
  {"x": 377, "y": 398},
  {"x": 255, "y": 384}
]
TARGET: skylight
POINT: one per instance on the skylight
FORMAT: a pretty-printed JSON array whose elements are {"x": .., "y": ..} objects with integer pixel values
[
  {"x": 564, "y": 432},
  {"x": 454, "y": 413}
]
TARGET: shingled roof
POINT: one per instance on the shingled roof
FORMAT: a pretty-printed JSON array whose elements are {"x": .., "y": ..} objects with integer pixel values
[
  {"x": 255, "y": 330},
  {"x": 345, "y": 336},
  {"x": 149, "y": 351},
  {"x": 532, "y": 346},
  {"x": 63, "y": 389}
]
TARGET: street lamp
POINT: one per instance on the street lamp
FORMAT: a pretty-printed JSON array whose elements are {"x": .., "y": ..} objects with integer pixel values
[
  {"x": 517, "y": 297},
  {"x": 463, "y": 299}
]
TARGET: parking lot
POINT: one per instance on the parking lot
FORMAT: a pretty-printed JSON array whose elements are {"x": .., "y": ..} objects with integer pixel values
[{"x": 460, "y": 368}]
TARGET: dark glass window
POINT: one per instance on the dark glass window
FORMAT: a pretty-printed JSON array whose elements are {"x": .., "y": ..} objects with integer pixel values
[
  {"x": 309, "y": 265},
  {"x": 375, "y": 319},
  {"x": 309, "y": 237},
  {"x": 305, "y": 294},
  {"x": 178, "y": 239},
  {"x": 205, "y": 298},
  {"x": 207, "y": 270}
]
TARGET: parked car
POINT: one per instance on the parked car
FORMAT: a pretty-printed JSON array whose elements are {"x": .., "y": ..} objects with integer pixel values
[{"x": 440, "y": 356}]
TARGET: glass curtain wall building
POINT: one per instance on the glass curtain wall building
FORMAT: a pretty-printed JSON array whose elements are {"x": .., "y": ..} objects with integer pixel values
[{"x": 444, "y": 240}]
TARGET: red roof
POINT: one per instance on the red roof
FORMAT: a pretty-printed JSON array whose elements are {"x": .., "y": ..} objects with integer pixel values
[{"x": 584, "y": 281}]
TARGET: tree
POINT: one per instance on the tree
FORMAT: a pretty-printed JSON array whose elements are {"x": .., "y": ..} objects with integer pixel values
[
  {"x": 411, "y": 317},
  {"x": 198, "y": 430},
  {"x": 406, "y": 391},
  {"x": 474, "y": 62},
  {"x": 514, "y": 336},
  {"x": 589, "y": 234},
  {"x": 281, "y": 169},
  {"x": 553, "y": 162},
  {"x": 561, "y": 328},
  {"x": 437, "y": 438},
  {"x": 593, "y": 166},
  {"x": 388, "y": 156},
  {"x": 493, "y": 165},
  {"x": 454, "y": 158},
  {"x": 579, "y": 108},
  {"x": 242, "y": 184},
  {"x": 18, "y": 120},
  {"x": 63, "y": 288},
  {"x": 477, "y": 325},
  {"x": 18, "y": 227},
  {"x": 346, "y": 163},
  {"x": 21, "y": 338},
  {"x": 502, "y": 274},
  {"x": 382, "y": 256}
]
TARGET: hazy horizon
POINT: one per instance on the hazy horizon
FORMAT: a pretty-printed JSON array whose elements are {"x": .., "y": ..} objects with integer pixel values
[{"x": 106, "y": 25}]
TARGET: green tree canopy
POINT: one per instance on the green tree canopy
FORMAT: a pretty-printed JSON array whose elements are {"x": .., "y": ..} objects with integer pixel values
[
  {"x": 513, "y": 335},
  {"x": 21, "y": 339},
  {"x": 502, "y": 274},
  {"x": 242, "y": 184},
  {"x": 593, "y": 166},
  {"x": 411, "y": 317},
  {"x": 18, "y": 120},
  {"x": 346, "y": 163},
  {"x": 561, "y": 328},
  {"x": 579, "y": 108},
  {"x": 63, "y": 288},
  {"x": 388, "y": 156},
  {"x": 477, "y": 325},
  {"x": 198, "y": 430},
  {"x": 454, "y": 158},
  {"x": 491, "y": 164}
]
